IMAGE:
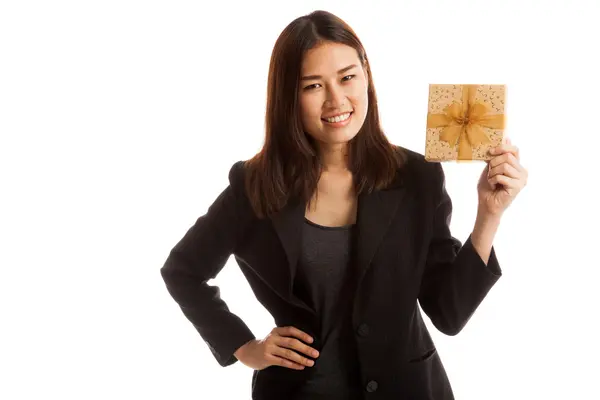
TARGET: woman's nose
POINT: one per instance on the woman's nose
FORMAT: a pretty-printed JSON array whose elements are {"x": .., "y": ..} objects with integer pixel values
[{"x": 335, "y": 98}]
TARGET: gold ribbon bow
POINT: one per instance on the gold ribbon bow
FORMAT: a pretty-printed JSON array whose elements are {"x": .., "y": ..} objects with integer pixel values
[{"x": 463, "y": 122}]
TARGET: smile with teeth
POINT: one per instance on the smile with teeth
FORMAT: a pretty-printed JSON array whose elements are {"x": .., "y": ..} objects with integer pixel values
[{"x": 338, "y": 118}]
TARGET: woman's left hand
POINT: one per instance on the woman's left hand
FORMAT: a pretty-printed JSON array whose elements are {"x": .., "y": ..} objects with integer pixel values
[{"x": 501, "y": 180}]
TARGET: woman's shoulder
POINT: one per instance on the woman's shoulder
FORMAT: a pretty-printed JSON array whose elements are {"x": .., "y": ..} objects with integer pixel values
[
  {"x": 236, "y": 175},
  {"x": 415, "y": 171},
  {"x": 237, "y": 169},
  {"x": 415, "y": 165}
]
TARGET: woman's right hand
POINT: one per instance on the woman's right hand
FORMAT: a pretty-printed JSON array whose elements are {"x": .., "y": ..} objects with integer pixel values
[{"x": 281, "y": 347}]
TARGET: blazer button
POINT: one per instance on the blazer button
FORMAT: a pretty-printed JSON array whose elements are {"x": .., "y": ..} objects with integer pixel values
[
  {"x": 372, "y": 386},
  {"x": 363, "y": 330}
]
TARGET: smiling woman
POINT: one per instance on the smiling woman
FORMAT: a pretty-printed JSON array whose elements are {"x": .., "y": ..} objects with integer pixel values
[
  {"x": 334, "y": 98},
  {"x": 322, "y": 115},
  {"x": 340, "y": 235}
]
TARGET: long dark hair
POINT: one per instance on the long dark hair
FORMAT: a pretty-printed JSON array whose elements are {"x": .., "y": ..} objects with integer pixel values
[{"x": 288, "y": 164}]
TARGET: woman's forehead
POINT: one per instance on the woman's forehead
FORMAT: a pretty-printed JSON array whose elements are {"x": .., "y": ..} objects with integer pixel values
[{"x": 328, "y": 58}]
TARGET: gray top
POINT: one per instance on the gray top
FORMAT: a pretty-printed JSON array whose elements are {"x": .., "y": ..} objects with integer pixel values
[{"x": 324, "y": 281}]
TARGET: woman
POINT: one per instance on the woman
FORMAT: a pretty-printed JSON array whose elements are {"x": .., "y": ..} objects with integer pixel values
[{"x": 340, "y": 235}]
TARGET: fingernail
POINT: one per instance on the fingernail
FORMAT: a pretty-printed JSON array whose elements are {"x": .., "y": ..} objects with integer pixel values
[{"x": 315, "y": 354}]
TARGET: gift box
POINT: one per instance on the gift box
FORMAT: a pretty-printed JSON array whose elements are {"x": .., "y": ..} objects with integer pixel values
[{"x": 464, "y": 121}]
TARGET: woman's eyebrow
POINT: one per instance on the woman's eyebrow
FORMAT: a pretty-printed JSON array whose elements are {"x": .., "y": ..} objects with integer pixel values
[{"x": 341, "y": 71}]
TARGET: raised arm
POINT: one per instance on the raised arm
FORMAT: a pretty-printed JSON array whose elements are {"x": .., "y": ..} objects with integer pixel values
[{"x": 456, "y": 279}]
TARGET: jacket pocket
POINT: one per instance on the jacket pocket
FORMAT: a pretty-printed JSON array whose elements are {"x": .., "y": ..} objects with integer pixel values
[
  {"x": 427, "y": 377},
  {"x": 423, "y": 357}
]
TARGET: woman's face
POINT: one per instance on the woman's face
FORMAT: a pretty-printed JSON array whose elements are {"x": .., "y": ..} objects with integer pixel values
[{"x": 333, "y": 83}]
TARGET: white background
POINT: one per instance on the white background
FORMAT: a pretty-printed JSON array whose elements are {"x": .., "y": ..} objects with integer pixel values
[{"x": 119, "y": 121}]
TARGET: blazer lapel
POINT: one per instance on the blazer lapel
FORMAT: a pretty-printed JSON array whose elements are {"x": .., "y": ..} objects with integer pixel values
[
  {"x": 288, "y": 225},
  {"x": 375, "y": 212}
]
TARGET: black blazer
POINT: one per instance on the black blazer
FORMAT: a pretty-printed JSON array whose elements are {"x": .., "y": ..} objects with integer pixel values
[{"x": 405, "y": 253}]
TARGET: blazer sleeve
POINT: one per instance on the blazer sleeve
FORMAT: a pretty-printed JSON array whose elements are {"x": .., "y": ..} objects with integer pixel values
[
  {"x": 198, "y": 257},
  {"x": 455, "y": 279}
]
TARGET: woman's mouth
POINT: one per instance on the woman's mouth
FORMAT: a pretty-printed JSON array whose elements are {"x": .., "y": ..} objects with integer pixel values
[{"x": 338, "y": 121}]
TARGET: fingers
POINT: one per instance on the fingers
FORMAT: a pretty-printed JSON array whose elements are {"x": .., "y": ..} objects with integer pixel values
[
  {"x": 506, "y": 182},
  {"x": 508, "y": 158},
  {"x": 284, "y": 349},
  {"x": 505, "y": 169},
  {"x": 507, "y": 165},
  {"x": 293, "y": 332},
  {"x": 297, "y": 345},
  {"x": 506, "y": 147},
  {"x": 510, "y": 168},
  {"x": 283, "y": 362}
]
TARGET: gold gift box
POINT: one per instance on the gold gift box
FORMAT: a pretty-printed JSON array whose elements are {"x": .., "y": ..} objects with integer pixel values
[{"x": 464, "y": 121}]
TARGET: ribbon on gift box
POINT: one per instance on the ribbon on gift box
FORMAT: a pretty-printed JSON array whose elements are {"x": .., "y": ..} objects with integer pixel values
[{"x": 462, "y": 123}]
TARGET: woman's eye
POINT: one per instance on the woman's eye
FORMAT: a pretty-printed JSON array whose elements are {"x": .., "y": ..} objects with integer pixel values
[{"x": 313, "y": 86}]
